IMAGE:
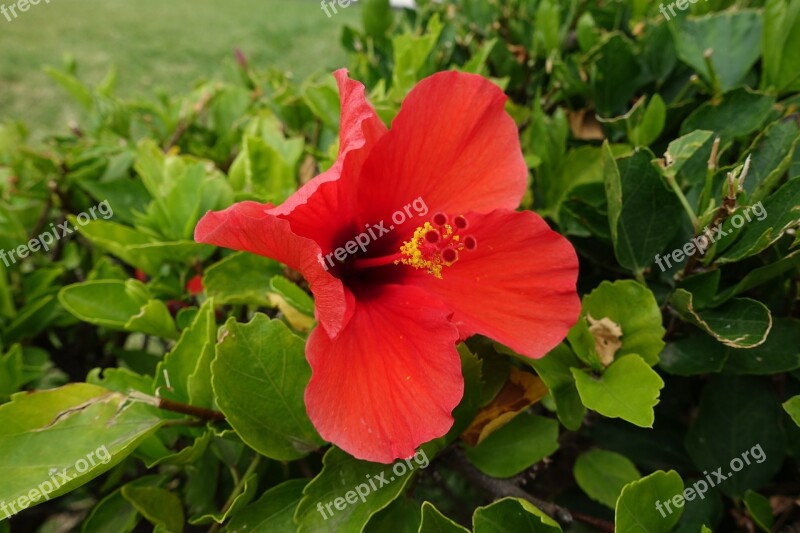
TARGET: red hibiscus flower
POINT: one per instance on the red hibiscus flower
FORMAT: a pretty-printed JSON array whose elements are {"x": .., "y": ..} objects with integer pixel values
[
  {"x": 447, "y": 257},
  {"x": 195, "y": 285}
]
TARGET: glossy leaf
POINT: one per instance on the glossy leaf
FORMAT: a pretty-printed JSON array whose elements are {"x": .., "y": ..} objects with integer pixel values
[
  {"x": 602, "y": 475},
  {"x": 638, "y": 505},
  {"x": 628, "y": 389},
  {"x": 524, "y": 441},
  {"x": 259, "y": 375}
]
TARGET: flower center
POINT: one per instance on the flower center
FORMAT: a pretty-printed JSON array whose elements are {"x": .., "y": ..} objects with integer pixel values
[{"x": 437, "y": 245}]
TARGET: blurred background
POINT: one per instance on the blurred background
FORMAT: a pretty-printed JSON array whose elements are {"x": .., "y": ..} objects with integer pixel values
[{"x": 156, "y": 46}]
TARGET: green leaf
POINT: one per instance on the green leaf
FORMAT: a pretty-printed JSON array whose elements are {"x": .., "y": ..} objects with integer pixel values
[
  {"x": 274, "y": 511},
  {"x": 705, "y": 508},
  {"x": 76, "y": 89},
  {"x": 652, "y": 123},
  {"x": 183, "y": 189},
  {"x": 738, "y": 113},
  {"x": 779, "y": 45},
  {"x": 119, "y": 305},
  {"x": 435, "y": 522},
  {"x": 546, "y": 34},
  {"x": 602, "y": 475},
  {"x": 127, "y": 196},
  {"x": 401, "y": 516},
  {"x": 760, "y": 510},
  {"x": 733, "y": 38},
  {"x": 512, "y": 514},
  {"x": 477, "y": 64},
  {"x": 692, "y": 356},
  {"x": 140, "y": 251},
  {"x": 11, "y": 373},
  {"x": 638, "y": 204},
  {"x": 613, "y": 60},
  {"x": 261, "y": 170},
  {"x": 759, "y": 276},
  {"x": 584, "y": 213},
  {"x": 378, "y": 17},
  {"x": 351, "y": 491},
  {"x": 637, "y": 509},
  {"x": 160, "y": 507},
  {"x": 792, "y": 406},
  {"x": 554, "y": 369},
  {"x": 153, "y": 318},
  {"x": 739, "y": 323},
  {"x": 173, "y": 215},
  {"x": 294, "y": 295},
  {"x": 682, "y": 149},
  {"x": 475, "y": 390},
  {"x": 738, "y": 427},
  {"x": 240, "y": 501},
  {"x": 780, "y": 353},
  {"x": 583, "y": 344},
  {"x": 771, "y": 156},
  {"x": 521, "y": 443},
  {"x": 410, "y": 55},
  {"x": 81, "y": 430},
  {"x": 580, "y": 166},
  {"x": 259, "y": 375},
  {"x": 633, "y": 306},
  {"x": 115, "y": 513},
  {"x": 7, "y": 308},
  {"x": 120, "y": 380},
  {"x": 778, "y": 213},
  {"x": 658, "y": 52},
  {"x": 586, "y": 32},
  {"x": 187, "y": 455},
  {"x": 183, "y": 372},
  {"x": 322, "y": 98},
  {"x": 546, "y": 141},
  {"x": 628, "y": 389},
  {"x": 32, "y": 319},
  {"x": 241, "y": 278}
]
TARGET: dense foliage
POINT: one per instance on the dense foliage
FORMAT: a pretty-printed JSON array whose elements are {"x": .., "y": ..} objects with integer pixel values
[{"x": 667, "y": 151}]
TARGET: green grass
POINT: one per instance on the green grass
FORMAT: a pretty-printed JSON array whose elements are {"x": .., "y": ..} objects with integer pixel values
[{"x": 166, "y": 44}]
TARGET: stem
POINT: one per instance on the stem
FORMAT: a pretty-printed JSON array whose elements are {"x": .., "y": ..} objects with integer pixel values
[
  {"x": 191, "y": 410},
  {"x": 177, "y": 407},
  {"x": 500, "y": 488},
  {"x": 735, "y": 183},
  {"x": 237, "y": 490},
  {"x": 684, "y": 202},
  {"x": 711, "y": 170},
  {"x": 712, "y": 72},
  {"x": 685, "y": 89},
  {"x": 48, "y": 205},
  {"x": 186, "y": 120}
]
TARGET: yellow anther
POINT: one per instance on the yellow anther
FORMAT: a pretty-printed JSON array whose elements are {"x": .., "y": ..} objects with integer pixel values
[{"x": 414, "y": 256}]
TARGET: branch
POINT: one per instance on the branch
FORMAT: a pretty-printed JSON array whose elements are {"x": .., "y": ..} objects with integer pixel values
[
  {"x": 500, "y": 488},
  {"x": 177, "y": 407}
]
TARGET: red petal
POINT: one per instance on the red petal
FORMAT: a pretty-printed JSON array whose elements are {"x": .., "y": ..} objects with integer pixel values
[
  {"x": 297, "y": 231},
  {"x": 453, "y": 145},
  {"x": 325, "y": 204},
  {"x": 195, "y": 285},
  {"x": 517, "y": 287},
  {"x": 390, "y": 380},
  {"x": 248, "y": 227}
]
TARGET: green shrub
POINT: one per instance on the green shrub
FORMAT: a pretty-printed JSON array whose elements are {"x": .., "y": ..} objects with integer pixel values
[{"x": 645, "y": 139}]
